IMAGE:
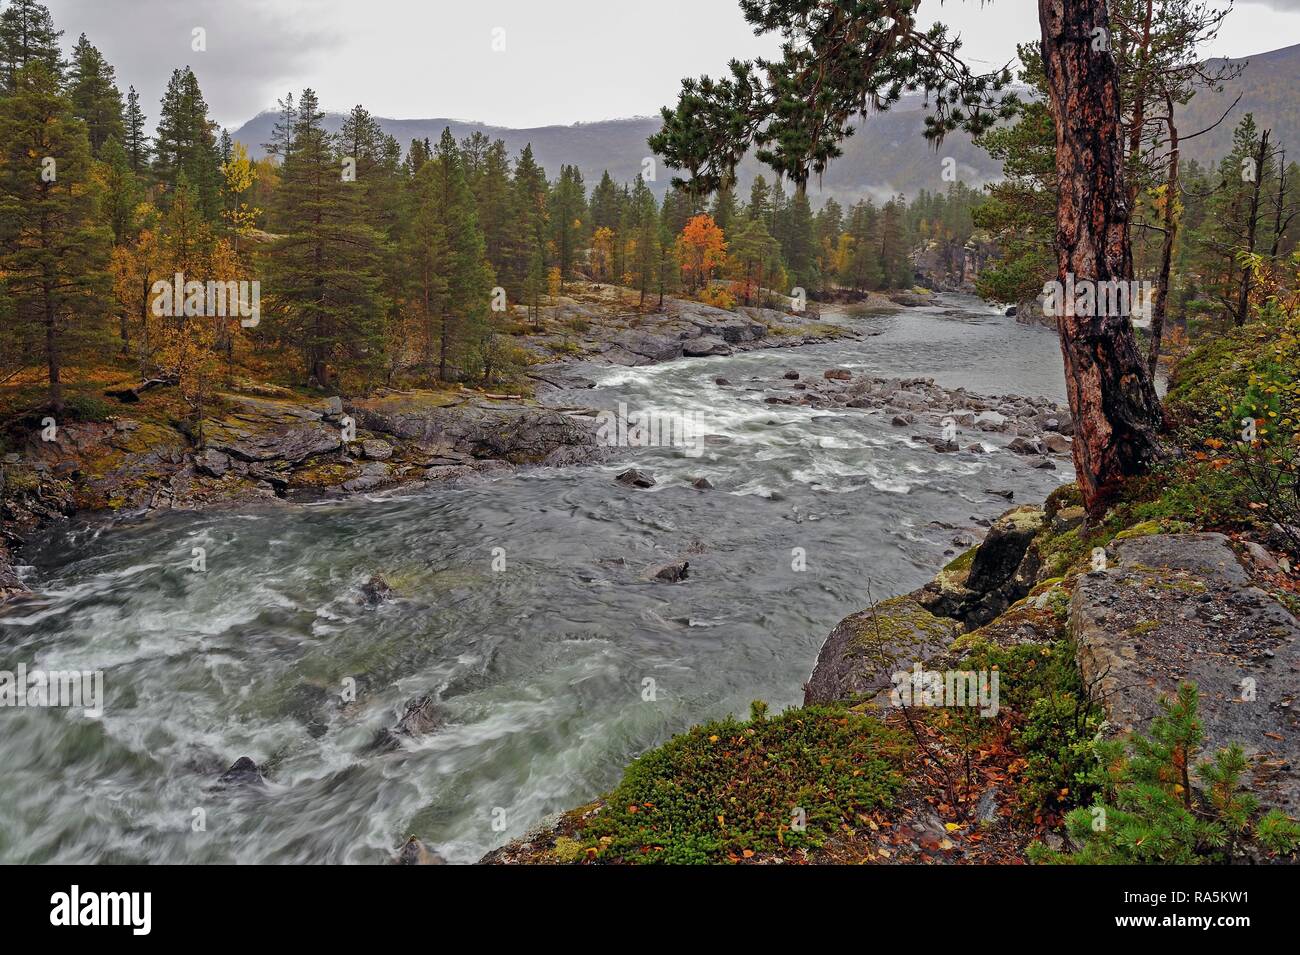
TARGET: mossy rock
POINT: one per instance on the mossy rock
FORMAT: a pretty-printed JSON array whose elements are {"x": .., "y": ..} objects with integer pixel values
[
  {"x": 1145, "y": 529},
  {"x": 1067, "y": 495},
  {"x": 954, "y": 573},
  {"x": 866, "y": 648}
]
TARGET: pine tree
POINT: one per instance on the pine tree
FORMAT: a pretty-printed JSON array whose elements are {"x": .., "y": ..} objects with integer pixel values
[
  {"x": 282, "y": 130},
  {"x": 526, "y": 254},
  {"x": 95, "y": 96},
  {"x": 469, "y": 278},
  {"x": 801, "y": 246},
  {"x": 568, "y": 220},
  {"x": 122, "y": 192},
  {"x": 422, "y": 251},
  {"x": 895, "y": 267},
  {"x": 186, "y": 142},
  {"x": 863, "y": 267},
  {"x": 492, "y": 196},
  {"x": 755, "y": 258},
  {"x": 27, "y": 36},
  {"x": 326, "y": 272},
  {"x": 136, "y": 139},
  {"x": 53, "y": 251}
]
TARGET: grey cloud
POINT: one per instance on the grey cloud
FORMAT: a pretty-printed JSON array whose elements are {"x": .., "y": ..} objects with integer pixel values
[{"x": 253, "y": 54}]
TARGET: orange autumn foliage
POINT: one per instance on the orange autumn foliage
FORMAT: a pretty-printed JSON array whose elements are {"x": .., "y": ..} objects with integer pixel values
[{"x": 701, "y": 250}]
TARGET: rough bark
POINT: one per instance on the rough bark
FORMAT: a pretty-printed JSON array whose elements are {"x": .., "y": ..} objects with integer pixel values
[{"x": 1114, "y": 403}]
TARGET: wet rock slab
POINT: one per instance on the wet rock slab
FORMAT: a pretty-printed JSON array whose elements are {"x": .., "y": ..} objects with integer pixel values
[{"x": 1172, "y": 608}]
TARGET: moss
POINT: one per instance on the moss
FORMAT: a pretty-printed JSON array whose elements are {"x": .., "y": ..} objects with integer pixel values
[
  {"x": 956, "y": 571},
  {"x": 894, "y": 625},
  {"x": 323, "y": 475},
  {"x": 1144, "y": 529},
  {"x": 568, "y": 850},
  {"x": 1067, "y": 495}
]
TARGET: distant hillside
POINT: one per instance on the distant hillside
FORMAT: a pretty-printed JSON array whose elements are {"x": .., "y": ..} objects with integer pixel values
[
  {"x": 887, "y": 155},
  {"x": 1268, "y": 88}
]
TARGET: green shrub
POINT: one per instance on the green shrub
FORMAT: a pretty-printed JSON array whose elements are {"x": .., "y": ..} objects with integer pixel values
[
  {"x": 730, "y": 788},
  {"x": 87, "y": 408}
]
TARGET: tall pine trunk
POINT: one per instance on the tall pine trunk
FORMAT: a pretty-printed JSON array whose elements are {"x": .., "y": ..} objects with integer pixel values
[
  {"x": 1252, "y": 226},
  {"x": 1161, "y": 306},
  {"x": 52, "y": 363},
  {"x": 1114, "y": 404}
]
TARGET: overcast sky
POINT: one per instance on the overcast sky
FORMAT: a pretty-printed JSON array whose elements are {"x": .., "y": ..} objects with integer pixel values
[{"x": 563, "y": 61}]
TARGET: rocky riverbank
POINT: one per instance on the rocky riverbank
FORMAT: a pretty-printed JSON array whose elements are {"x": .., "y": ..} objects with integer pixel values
[
  {"x": 264, "y": 444},
  {"x": 1152, "y": 610}
]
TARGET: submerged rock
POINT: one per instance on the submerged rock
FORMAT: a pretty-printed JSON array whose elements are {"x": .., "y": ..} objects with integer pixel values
[
  {"x": 421, "y": 717},
  {"x": 671, "y": 572},
  {"x": 634, "y": 478},
  {"x": 244, "y": 772},
  {"x": 415, "y": 852},
  {"x": 375, "y": 590}
]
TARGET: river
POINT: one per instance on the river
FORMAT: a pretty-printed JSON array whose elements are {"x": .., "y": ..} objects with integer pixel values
[{"x": 552, "y": 673}]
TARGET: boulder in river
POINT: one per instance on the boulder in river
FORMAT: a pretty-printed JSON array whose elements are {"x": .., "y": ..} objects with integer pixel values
[
  {"x": 375, "y": 590},
  {"x": 634, "y": 478},
  {"x": 702, "y": 484},
  {"x": 421, "y": 717},
  {"x": 837, "y": 374},
  {"x": 244, "y": 772},
  {"x": 1023, "y": 445},
  {"x": 415, "y": 852},
  {"x": 671, "y": 572}
]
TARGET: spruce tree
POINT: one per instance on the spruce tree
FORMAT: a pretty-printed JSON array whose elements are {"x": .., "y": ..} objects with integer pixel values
[
  {"x": 326, "y": 273},
  {"x": 53, "y": 250},
  {"x": 606, "y": 208},
  {"x": 526, "y": 256},
  {"x": 422, "y": 252},
  {"x": 136, "y": 140},
  {"x": 568, "y": 220},
  {"x": 95, "y": 97},
  {"x": 468, "y": 276},
  {"x": 723, "y": 209},
  {"x": 27, "y": 36},
  {"x": 492, "y": 196},
  {"x": 186, "y": 141},
  {"x": 122, "y": 192}
]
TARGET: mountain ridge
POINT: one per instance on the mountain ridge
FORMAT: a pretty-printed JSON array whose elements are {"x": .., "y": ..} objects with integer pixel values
[{"x": 886, "y": 156}]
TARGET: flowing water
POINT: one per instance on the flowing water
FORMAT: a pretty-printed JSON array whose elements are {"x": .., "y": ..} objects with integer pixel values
[{"x": 552, "y": 673}]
